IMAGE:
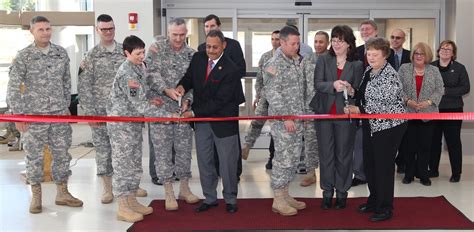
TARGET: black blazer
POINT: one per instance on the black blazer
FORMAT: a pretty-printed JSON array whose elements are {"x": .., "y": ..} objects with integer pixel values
[
  {"x": 456, "y": 85},
  {"x": 324, "y": 76},
  {"x": 405, "y": 58},
  {"x": 233, "y": 51},
  {"x": 390, "y": 58},
  {"x": 220, "y": 96}
]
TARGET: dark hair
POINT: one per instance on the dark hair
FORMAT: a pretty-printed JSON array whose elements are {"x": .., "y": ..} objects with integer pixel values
[
  {"x": 131, "y": 43},
  {"x": 211, "y": 17},
  {"x": 448, "y": 42},
  {"x": 104, "y": 18},
  {"x": 379, "y": 43},
  {"x": 38, "y": 19},
  {"x": 276, "y": 32},
  {"x": 287, "y": 31},
  {"x": 323, "y": 33},
  {"x": 216, "y": 33},
  {"x": 345, "y": 33},
  {"x": 293, "y": 26}
]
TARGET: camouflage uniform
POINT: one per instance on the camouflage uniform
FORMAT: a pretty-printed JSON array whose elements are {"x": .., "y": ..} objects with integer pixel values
[
  {"x": 166, "y": 68},
  {"x": 284, "y": 89},
  {"x": 126, "y": 137},
  {"x": 46, "y": 90},
  {"x": 96, "y": 77},
  {"x": 256, "y": 126},
  {"x": 310, "y": 139}
]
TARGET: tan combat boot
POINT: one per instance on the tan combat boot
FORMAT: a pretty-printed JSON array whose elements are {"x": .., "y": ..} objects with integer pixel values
[
  {"x": 280, "y": 205},
  {"x": 35, "y": 205},
  {"x": 299, "y": 205},
  {"x": 7, "y": 137},
  {"x": 63, "y": 197},
  {"x": 245, "y": 152},
  {"x": 125, "y": 213},
  {"x": 185, "y": 193},
  {"x": 170, "y": 200},
  {"x": 309, "y": 179},
  {"x": 107, "y": 195},
  {"x": 141, "y": 192},
  {"x": 134, "y": 205}
]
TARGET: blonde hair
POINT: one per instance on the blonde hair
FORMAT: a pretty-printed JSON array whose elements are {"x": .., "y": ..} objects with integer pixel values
[{"x": 424, "y": 48}]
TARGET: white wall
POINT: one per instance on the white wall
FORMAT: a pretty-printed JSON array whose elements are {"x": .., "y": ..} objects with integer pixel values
[
  {"x": 464, "y": 40},
  {"x": 119, "y": 10}
]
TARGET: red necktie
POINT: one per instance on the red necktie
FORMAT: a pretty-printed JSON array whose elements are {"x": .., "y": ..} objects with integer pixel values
[{"x": 209, "y": 68}]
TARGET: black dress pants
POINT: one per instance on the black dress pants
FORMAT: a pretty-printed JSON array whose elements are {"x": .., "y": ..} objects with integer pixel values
[
  {"x": 452, "y": 133},
  {"x": 419, "y": 137},
  {"x": 380, "y": 149}
]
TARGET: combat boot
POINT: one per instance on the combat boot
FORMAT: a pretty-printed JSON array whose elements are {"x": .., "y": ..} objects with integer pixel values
[
  {"x": 107, "y": 195},
  {"x": 309, "y": 179},
  {"x": 7, "y": 137},
  {"x": 134, "y": 205},
  {"x": 35, "y": 205},
  {"x": 185, "y": 193},
  {"x": 280, "y": 205},
  {"x": 16, "y": 145},
  {"x": 299, "y": 205},
  {"x": 63, "y": 197},
  {"x": 170, "y": 200},
  {"x": 141, "y": 192},
  {"x": 125, "y": 213},
  {"x": 245, "y": 152}
]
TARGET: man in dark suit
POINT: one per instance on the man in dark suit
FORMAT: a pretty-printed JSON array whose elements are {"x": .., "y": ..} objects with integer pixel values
[
  {"x": 397, "y": 57},
  {"x": 234, "y": 52},
  {"x": 215, "y": 81}
]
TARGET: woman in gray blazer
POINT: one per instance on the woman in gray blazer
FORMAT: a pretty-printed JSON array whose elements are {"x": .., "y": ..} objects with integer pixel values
[
  {"x": 456, "y": 84},
  {"x": 422, "y": 89},
  {"x": 336, "y": 72}
]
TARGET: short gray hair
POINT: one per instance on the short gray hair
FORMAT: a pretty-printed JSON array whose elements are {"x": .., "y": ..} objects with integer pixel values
[{"x": 176, "y": 22}]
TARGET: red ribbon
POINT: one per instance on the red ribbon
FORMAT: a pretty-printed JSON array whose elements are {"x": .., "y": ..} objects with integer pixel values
[{"x": 467, "y": 116}]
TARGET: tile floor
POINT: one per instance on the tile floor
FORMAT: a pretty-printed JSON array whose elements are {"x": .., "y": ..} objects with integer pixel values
[{"x": 94, "y": 216}]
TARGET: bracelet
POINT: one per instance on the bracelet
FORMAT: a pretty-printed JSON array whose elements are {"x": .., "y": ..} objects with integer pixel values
[
  {"x": 192, "y": 114},
  {"x": 429, "y": 102}
]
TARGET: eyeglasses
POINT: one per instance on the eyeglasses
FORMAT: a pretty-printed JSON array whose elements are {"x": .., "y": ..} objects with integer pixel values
[
  {"x": 107, "y": 29},
  {"x": 419, "y": 54},
  {"x": 396, "y": 37},
  {"x": 333, "y": 41},
  {"x": 446, "y": 49}
]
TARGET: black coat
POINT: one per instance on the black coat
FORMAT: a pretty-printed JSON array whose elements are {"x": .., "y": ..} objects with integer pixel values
[{"x": 219, "y": 96}]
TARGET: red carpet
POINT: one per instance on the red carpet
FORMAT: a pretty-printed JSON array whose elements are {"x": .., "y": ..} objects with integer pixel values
[{"x": 256, "y": 214}]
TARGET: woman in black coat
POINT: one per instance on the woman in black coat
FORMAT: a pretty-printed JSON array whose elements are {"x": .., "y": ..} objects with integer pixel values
[{"x": 456, "y": 85}]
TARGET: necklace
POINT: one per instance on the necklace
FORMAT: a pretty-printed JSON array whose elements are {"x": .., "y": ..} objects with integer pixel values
[{"x": 419, "y": 72}]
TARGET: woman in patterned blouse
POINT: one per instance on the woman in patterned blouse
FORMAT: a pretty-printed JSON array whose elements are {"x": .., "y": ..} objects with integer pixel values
[{"x": 379, "y": 93}]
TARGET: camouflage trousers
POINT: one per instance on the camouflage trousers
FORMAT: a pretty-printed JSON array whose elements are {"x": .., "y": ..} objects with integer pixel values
[
  {"x": 126, "y": 139},
  {"x": 311, "y": 145},
  {"x": 287, "y": 153},
  {"x": 165, "y": 137},
  {"x": 103, "y": 150},
  {"x": 256, "y": 126},
  {"x": 58, "y": 136}
]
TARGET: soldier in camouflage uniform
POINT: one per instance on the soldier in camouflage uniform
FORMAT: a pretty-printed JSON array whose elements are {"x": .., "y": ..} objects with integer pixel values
[
  {"x": 40, "y": 83},
  {"x": 96, "y": 74},
  {"x": 168, "y": 60},
  {"x": 128, "y": 98},
  {"x": 261, "y": 105},
  {"x": 285, "y": 89},
  {"x": 321, "y": 42}
]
